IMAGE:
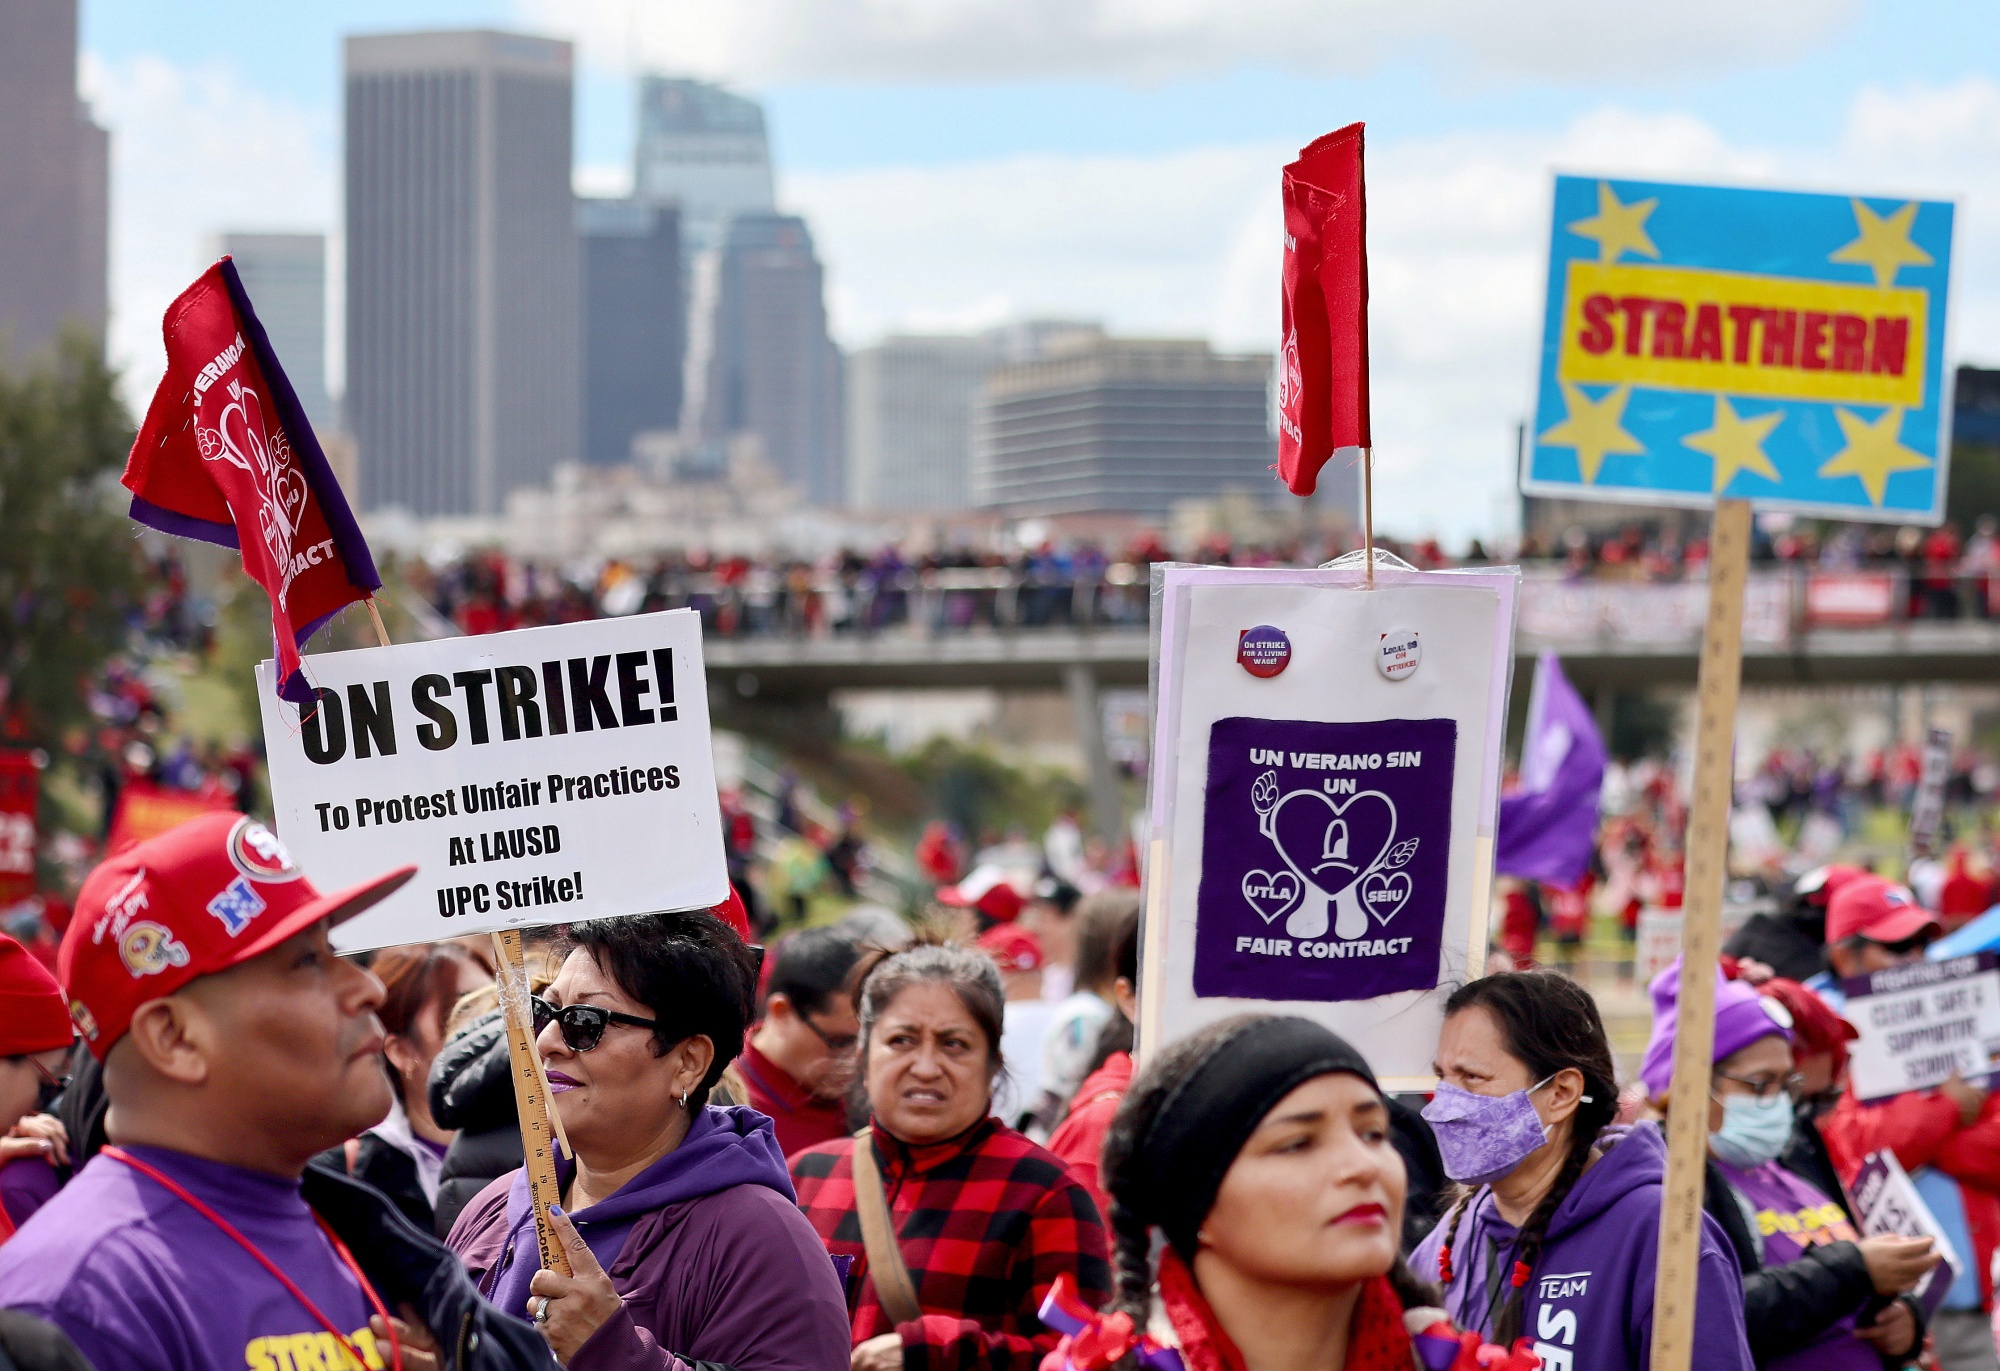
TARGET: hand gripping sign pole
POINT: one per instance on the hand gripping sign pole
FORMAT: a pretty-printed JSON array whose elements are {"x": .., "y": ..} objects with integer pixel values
[{"x": 1707, "y": 866}]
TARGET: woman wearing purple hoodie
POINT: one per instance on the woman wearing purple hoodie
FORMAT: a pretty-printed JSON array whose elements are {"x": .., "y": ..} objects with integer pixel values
[
  {"x": 678, "y": 1217},
  {"x": 1556, "y": 1230}
]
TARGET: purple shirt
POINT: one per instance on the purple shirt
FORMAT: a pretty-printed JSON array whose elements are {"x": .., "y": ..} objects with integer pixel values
[
  {"x": 141, "y": 1281},
  {"x": 1788, "y": 1215},
  {"x": 26, "y": 1184}
]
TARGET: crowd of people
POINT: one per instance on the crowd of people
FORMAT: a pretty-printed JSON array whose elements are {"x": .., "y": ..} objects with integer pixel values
[{"x": 901, "y": 1147}]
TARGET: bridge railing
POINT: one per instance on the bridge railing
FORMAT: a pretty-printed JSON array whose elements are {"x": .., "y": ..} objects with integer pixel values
[{"x": 1556, "y": 607}]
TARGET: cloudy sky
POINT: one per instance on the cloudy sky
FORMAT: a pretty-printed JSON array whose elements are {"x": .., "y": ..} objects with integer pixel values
[{"x": 964, "y": 162}]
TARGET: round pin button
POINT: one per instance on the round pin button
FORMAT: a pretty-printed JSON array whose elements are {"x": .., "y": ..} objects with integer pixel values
[
  {"x": 1400, "y": 653},
  {"x": 1263, "y": 651}
]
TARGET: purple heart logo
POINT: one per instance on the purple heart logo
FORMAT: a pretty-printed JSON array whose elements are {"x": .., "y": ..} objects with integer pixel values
[
  {"x": 1383, "y": 895},
  {"x": 1271, "y": 893},
  {"x": 1329, "y": 843}
]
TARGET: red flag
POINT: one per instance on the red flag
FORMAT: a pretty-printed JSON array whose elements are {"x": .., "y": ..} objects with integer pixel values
[
  {"x": 226, "y": 455},
  {"x": 1323, "y": 376}
]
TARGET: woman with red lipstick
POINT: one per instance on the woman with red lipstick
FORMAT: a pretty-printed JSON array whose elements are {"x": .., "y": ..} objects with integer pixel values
[
  {"x": 1260, "y": 1149},
  {"x": 983, "y": 1220}
]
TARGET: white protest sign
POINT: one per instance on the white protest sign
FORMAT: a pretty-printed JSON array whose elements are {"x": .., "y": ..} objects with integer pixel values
[
  {"x": 1922, "y": 1022},
  {"x": 535, "y": 777},
  {"x": 1321, "y": 829},
  {"x": 1886, "y": 1201}
]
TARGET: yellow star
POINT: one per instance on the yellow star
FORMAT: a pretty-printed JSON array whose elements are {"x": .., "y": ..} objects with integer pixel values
[
  {"x": 1618, "y": 228},
  {"x": 1874, "y": 452},
  {"x": 1736, "y": 444},
  {"x": 1594, "y": 428},
  {"x": 1884, "y": 244}
]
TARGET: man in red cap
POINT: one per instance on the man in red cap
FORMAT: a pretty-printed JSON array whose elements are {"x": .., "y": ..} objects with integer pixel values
[
  {"x": 987, "y": 895},
  {"x": 1948, "y": 1139},
  {"x": 34, "y": 1053},
  {"x": 235, "y": 1046}
]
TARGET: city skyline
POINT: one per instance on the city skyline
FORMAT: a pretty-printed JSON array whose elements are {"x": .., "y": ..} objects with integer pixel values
[{"x": 1135, "y": 181}]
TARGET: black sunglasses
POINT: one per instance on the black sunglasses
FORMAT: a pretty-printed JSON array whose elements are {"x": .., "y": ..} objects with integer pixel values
[{"x": 582, "y": 1025}]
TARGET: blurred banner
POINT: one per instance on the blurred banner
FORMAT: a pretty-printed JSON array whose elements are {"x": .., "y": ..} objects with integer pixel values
[{"x": 1778, "y": 347}]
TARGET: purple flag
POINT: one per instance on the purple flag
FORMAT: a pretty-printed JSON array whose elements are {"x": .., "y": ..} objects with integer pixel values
[{"x": 1549, "y": 826}]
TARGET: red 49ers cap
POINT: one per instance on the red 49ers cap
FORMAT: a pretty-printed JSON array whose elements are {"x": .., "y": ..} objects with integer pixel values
[{"x": 198, "y": 899}]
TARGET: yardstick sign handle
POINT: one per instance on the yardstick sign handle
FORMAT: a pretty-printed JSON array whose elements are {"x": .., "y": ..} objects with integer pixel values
[
  {"x": 1707, "y": 868},
  {"x": 531, "y": 1097}
]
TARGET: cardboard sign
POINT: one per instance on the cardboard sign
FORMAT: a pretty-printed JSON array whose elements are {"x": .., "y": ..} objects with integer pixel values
[
  {"x": 1886, "y": 1202},
  {"x": 1922, "y": 1022},
  {"x": 1927, "y": 803},
  {"x": 1782, "y": 348},
  {"x": 536, "y": 777},
  {"x": 1321, "y": 839}
]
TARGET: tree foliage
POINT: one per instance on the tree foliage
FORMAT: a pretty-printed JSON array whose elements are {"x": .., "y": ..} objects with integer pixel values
[{"x": 68, "y": 574}]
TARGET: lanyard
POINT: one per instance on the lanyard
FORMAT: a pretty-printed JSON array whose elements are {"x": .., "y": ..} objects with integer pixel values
[{"x": 340, "y": 1248}]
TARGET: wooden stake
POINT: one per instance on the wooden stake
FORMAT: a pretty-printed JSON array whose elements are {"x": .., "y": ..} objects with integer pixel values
[
  {"x": 1368, "y": 511},
  {"x": 1707, "y": 857},
  {"x": 531, "y": 1096},
  {"x": 381, "y": 633}
]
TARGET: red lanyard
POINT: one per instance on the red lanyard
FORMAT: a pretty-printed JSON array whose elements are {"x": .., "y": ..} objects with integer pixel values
[{"x": 340, "y": 1248}]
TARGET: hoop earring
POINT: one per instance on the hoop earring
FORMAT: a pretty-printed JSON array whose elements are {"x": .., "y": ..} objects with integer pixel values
[{"x": 684, "y": 1098}]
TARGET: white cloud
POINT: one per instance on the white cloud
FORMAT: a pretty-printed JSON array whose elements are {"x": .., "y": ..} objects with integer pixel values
[
  {"x": 1600, "y": 41},
  {"x": 195, "y": 151},
  {"x": 1187, "y": 243}
]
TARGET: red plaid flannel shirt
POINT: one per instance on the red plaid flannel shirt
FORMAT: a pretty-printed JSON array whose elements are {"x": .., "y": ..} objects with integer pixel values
[{"x": 987, "y": 1221}]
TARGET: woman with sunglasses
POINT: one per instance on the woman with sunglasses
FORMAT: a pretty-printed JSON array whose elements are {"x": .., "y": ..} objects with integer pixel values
[
  {"x": 976, "y": 1221},
  {"x": 677, "y": 1216},
  {"x": 35, "y": 1039},
  {"x": 1815, "y": 1293}
]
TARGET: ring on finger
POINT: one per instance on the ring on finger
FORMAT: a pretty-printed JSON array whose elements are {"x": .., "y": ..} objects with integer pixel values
[{"x": 542, "y": 1309}]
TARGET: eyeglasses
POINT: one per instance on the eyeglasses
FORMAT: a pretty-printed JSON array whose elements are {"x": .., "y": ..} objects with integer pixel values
[
  {"x": 582, "y": 1025},
  {"x": 1766, "y": 1088},
  {"x": 835, "y": 1042}
]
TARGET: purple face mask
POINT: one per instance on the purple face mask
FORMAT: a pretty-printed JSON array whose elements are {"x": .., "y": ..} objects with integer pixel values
[{"x": 1483, "y": 1137}]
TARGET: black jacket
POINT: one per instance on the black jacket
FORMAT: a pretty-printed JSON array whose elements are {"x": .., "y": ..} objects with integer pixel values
[
  {"x": 472, "y": 1090},
  {"x": 390, "y": 1170},
  {"x": 409, "y": 1267},
  {"x": 1786, "y": 1307}
]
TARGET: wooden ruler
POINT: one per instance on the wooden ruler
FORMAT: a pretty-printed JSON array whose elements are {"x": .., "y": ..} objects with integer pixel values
[
  {"x": 1707, "y": 869},
  {"x": 531, "y": 1099}
]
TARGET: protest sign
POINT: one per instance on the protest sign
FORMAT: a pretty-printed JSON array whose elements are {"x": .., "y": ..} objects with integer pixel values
[
  {"x": 1921, "y": 1023},
  {"x": 20, "y": 789},
  {"x": 1785, "y": 348},
  {"x": 1886, "y": 1202},
  {"x": 540, "y": 776},
  {"x": 1927, "y": 802},
  {"x": 1326, "y": 782},
  {"x": 146, "y": 809}
]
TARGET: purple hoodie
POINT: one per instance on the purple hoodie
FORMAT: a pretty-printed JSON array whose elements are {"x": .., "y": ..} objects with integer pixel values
[
  {"x": 706, "y": 1246},
  {"x": 1589, "y": 1304}
]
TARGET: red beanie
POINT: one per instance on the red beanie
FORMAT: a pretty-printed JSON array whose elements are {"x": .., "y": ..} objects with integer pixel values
[{"x": 33, "y": 1015}]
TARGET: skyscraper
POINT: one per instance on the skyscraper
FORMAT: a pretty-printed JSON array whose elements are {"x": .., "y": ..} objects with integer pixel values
[
  {"x": 704, "y": 149},
  {"x": 285, "y": 276},
  {"x": 54, "y": 182},
  {"x": 634, "y": 322},
  {"x": 909, "y": 421},
  {"x": 462, "y": 278},
  {"x": 1117, "y": 425},
  {"x": 772, "y": 371}
]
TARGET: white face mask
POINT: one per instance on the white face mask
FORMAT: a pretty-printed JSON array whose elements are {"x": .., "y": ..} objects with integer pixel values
[{"x": 1753, "y": 1131}]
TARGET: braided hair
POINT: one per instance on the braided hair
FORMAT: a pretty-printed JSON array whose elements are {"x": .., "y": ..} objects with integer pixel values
[{"x": 1549, "y": 1023}]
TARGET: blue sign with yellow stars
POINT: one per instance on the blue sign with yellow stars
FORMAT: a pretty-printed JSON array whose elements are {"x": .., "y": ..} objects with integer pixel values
[{"x": 1782, "y": 348}]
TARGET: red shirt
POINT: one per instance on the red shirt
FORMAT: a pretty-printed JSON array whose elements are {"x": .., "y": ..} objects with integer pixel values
[
  {"x": 1079, "y": 1138},
  {"x": 801, "y": 1118}
]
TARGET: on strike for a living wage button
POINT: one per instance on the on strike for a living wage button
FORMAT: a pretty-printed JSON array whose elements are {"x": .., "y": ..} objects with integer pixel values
[{"x": 1264, "y": 651}]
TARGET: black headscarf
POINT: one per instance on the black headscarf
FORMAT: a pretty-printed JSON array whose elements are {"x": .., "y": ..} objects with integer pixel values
[{"x": 1204, "y": 1122}]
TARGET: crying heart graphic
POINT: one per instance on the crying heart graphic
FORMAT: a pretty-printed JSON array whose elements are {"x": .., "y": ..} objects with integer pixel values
[
  {"x": 1271, "y": 893},
  {"x": 1382, "y": 895},
  {"x": 1330, "y": 844}
]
